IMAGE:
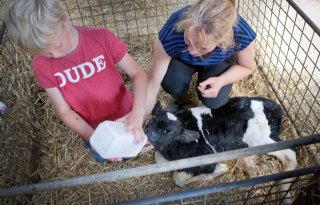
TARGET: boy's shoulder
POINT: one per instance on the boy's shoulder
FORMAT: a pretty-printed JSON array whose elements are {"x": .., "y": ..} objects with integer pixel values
[
  {"x": 93, "y": 30},
  {"x": 40, "y": 60}
]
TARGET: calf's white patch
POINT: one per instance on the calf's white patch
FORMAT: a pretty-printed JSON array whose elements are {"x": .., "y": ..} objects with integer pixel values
[
  {"x": 197, "y": 112},
  {"x": 258, "y": 131}
]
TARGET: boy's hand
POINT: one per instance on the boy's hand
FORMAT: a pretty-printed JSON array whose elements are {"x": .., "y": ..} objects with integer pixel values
[
  {"x": 133, "y": 122},
  {"x": 119, "y": 159}
]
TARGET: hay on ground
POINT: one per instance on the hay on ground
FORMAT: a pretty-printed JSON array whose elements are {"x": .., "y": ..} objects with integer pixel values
[
  {"x": 36, "y": 147},
  {"x": 61, "y": 153}
]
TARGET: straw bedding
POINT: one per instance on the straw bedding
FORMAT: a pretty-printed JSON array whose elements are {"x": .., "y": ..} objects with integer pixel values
[{"x": 36, "y": 147}]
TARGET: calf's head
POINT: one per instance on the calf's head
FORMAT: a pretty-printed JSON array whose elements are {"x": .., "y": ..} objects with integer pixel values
[{"x": 163, "y": 128}]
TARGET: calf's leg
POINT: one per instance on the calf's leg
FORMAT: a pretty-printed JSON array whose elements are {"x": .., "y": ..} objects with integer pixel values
[
  {"x": 159, "y": 158},
  {"x": 183, "y": 178},
  {"x": 288, "y": 161},
  {"x": 250, "y": 161}
]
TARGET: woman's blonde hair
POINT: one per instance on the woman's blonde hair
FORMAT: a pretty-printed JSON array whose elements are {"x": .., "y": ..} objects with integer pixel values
[
  {"x": 211, "y": 17},
  {"x": 33, "y": 24}
]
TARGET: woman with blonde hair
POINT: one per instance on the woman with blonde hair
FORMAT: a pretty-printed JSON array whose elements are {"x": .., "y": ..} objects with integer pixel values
[{"x": 201, "y": 38}]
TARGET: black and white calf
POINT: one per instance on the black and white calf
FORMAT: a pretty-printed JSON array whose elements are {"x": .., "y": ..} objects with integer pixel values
[{"x": 242, "y": 122}]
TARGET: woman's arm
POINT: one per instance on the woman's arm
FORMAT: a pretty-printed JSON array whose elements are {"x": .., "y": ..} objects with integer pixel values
[
  {"x": 72, "y": 119},
  {"x": 244, "y": 67},
  {"x": 158, "y": 68}
]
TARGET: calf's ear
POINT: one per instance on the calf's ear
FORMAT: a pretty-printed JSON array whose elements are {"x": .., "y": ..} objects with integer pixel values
[
  {"x": 157, "y": 109},
  {"x": 189, "y": 136}
]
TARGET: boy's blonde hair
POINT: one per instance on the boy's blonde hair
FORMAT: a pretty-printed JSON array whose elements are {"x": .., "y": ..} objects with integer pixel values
[
  {"x": 33, "y": 24},
  {"x": 211, "y": 17}
]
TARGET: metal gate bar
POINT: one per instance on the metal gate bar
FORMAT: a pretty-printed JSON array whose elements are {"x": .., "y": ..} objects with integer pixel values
[
  {"x": 288, "y": 56},
  {"x": 158, "y": 168},
  {"x": 304, "y": 16},
  {"x": 224, "y": 187},
  {"x": 124, "y": 33}
]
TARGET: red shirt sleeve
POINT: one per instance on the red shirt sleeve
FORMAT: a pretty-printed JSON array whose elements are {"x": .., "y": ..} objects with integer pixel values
[{"x": 117, "y": 48}]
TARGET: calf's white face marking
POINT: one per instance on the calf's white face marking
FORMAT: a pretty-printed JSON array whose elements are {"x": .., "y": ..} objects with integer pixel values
[
  {"x": 171, "y": 116},
  {"x": 197, "y": 112}
]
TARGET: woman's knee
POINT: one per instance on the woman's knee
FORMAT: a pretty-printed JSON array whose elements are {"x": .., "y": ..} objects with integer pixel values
[
  {"x": 213, "y": 103},
  {"x": 174, "y": 85},
  {"x": 177, "y": 78},
  {"x": 220, "y": 100},
  {"x": 175, "y": 88}
]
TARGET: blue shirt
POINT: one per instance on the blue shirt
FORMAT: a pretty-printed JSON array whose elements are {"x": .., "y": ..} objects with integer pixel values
[{"x": 175, "y": 46}]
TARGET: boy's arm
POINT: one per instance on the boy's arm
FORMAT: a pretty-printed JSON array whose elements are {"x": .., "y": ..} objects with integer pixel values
[
  {"x": 139, "y": 81},
  {"x": 134, "y": 119},
  {"x": 72, "y": 119}
]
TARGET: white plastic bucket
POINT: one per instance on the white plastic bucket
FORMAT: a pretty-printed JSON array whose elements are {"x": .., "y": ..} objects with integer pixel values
[{"x": 110, "y": 140}]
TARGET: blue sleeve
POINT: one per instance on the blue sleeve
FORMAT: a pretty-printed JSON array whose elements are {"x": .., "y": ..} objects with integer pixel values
[
  {"x": 172, "y": 40},
  {"x": 168, "y": 27},
  {"x": 244, "y": 34}
]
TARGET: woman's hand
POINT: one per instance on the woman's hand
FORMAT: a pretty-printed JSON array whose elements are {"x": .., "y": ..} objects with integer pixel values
[
  {"x": 133, "y": 122},
  {"x": 210, "y": 87}
]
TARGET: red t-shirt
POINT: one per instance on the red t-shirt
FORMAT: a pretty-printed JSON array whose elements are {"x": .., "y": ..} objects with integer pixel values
[{"x": 88, "y": 78}]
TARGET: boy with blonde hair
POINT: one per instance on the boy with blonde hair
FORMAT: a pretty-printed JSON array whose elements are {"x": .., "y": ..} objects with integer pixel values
[{"x": 76, "y": 66}]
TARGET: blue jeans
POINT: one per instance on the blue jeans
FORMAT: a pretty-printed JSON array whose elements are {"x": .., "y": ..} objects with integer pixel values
[
  {"x": 93, "y": 153},
  {"x": 178, "y": 77},
  {"x": 97, "y": 156}
]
